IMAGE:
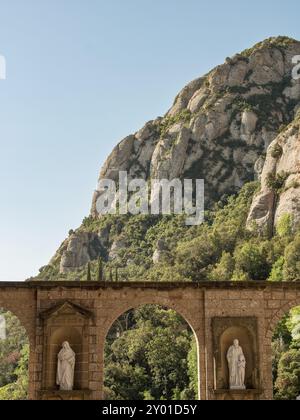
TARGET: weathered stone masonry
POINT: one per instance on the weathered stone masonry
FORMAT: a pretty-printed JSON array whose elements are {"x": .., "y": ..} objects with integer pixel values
[{"x": 83, "y": 313}]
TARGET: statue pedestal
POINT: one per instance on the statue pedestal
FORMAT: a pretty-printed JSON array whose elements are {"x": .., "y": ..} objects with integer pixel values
[
  {"x": 237, "y": 394},
  {"x": 48, "y": 395}
]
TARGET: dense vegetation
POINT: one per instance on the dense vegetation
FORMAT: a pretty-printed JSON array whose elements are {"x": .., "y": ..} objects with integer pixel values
[
  {"x": 14, "y": 352},
  {"x": 220, "y": 249},
  {"x": 151, "y": 353},
  {"x": 286, "y": 357}
]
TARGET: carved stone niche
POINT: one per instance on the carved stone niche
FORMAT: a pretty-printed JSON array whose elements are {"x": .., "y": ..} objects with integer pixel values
[
  {"x": 224, "y": 332},
  {"x": 65, "y": 322}
]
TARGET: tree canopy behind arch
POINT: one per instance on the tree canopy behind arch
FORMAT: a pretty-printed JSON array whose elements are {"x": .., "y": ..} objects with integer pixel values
[
  {"x": 14, "y": 354},
  {"x": 151, "y": 353}
]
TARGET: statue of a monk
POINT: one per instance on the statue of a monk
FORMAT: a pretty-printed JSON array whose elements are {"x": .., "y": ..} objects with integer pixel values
[
  {"x": 65, "y": 368},
  {"x": 237, "y": 366}
]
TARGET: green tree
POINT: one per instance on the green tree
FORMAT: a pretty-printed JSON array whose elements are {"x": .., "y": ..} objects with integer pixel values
[
  {"x": 193, "y": 371},
  {"x": 291, "y": 269},
  {"x": 285, "y": 225},
  {"x": 293, "y": 324},
  {"x": 100, "y": 276},
  {"x": 154, "y": 349},
  {"x": 223, "y": 271},
  {"x": 277, "y": 270},
  {"x": 14, "y": 353},
  {"x": 286, "y": 356},
  {"x": 88, "y": 274},
  {"x": 252, "y": 258},
  {"x": 287, "y": 385}
]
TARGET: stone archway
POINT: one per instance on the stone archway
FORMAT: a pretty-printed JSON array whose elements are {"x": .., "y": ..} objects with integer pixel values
[
  {"x": 157, "y": 303},
  {"x": 175, "y": 299},
  {"x": 280, "y": 313},
  {"x": 94, "y": 306}
]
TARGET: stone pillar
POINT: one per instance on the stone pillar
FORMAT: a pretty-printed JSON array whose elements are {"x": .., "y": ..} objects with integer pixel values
[
  {"x": 201, "y": 360},
  {"x": 100, "y": 391},
  {"x": 267, "y": 376},
  {"x": 32, "y": 372}
]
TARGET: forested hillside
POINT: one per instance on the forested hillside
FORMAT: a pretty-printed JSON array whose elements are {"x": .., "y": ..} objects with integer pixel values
[
  {"x": 221, "y": 249},
  {"x": 14, "y": 351}
]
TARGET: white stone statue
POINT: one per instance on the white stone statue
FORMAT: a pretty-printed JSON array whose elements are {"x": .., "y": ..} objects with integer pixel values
[
  {"x": 237, "y": 366},
  {"x": 65, "y": 368}
]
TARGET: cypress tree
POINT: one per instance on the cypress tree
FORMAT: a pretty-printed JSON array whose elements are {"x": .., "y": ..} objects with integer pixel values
[
  {"x": 89, "y": 276},
  {"x": 100, "y": 276}
]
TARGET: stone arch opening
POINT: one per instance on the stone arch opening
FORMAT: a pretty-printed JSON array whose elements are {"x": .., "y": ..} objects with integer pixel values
[
  {"x": 285, "y": 350},
  {"x": 279, "y": 314},
  {"x": 14, "y": 357},
  {"x": 153, "y": 338}
]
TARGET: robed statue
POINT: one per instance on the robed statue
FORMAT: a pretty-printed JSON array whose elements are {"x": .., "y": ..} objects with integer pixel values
[
  {"x": 237, "y": 366},
  {"x": 65, "y": 368}
]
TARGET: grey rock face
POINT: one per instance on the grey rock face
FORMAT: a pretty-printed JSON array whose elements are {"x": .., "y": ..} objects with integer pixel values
[
  {"x": 280, "y": 182},
  {"x": 116, "y": 247},
  {"x": 161, "y": 252},
  {"x": 79, "y": 249},
  {"x": 218, "y": 127},
  {"x": 259, "y": 166}
]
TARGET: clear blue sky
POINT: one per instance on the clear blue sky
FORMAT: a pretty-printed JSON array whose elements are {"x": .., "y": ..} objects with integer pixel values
[{"x": 81, "y": 75}]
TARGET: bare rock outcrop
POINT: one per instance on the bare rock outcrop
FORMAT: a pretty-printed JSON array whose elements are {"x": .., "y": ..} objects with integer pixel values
[
  {"x": 219, "y": 125},
  {"x": 280, "y": 182},
  {"x": 78, "y": 250},
  {"x": 161, "y": 252}
]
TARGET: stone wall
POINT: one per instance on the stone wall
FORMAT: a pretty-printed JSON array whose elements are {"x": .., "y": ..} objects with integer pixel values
[{"x": 51, "y": 311}]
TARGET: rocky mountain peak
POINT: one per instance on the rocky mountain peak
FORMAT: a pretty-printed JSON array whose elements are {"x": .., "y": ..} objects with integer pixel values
[
  {"x": 220, "y": 125},
  {"x": 233, "y": 125}
]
